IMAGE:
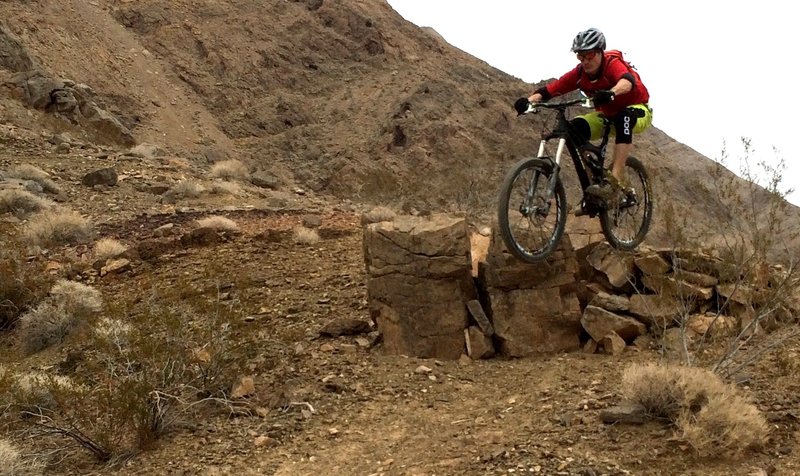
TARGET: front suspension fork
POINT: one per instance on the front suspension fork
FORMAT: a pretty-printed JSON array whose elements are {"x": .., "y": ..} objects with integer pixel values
[{"x": 551, "y": 189}]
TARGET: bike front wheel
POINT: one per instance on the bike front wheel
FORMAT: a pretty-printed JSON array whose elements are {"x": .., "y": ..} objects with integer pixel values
[
  {"x": 626, "y": 220},
  {"x": 531, "y": 221}
]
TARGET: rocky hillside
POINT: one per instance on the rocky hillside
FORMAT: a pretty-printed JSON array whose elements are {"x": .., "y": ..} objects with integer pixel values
[
  {"x": 211, "y": 165},
  {"x": 345, "y": 99}
]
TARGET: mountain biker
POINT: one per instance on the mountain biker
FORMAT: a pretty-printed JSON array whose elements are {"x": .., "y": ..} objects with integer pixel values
[{"x": 618, "y": 94}]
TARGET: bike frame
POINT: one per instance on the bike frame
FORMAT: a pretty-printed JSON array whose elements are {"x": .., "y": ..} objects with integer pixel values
[{"x": 587, "y": 157}]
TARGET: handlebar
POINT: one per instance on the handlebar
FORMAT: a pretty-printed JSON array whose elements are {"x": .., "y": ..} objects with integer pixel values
[{"x": 533, "y": 108}]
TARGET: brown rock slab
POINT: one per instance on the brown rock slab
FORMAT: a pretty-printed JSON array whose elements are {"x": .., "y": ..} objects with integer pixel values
[
  {"x": 613, "y": 344},
  {"x": 477, "y": 313},
  {"x": 529, "y": 321},
  {"x": 599, "y": 323},
  {"x": 479, "y": 345},
  {"x": 652, "y": 264}
]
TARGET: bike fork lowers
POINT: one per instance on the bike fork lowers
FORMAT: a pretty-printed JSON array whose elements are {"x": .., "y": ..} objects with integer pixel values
[{"x": 551, "y": 189}]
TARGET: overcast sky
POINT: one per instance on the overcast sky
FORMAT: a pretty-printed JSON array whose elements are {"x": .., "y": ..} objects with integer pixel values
[{"x": 715, "y": 71}]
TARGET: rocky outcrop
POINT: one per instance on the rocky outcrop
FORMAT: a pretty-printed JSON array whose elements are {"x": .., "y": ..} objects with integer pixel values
[
  {"x": 422, "y": 294},
  {"x": 71, "y": 101}
]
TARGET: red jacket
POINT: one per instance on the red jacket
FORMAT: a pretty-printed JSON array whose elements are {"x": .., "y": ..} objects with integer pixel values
[{"x": 612, "y": 69}]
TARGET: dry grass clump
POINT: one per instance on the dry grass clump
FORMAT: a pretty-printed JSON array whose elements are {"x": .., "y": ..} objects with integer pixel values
[
  {"x": 22, "y": 203},
  {"x": 34, "y": 174},
  {"x": 726, "y": 425},
  {"x": 107, "y": 248},
  {"x": 219, "y": 187},
  {"x": 377, "y": 215},
  {"x": 187, "y": 189},
  {"x": 216, "y": 222},
  {"x": 230, "y": 170},
  {"x": 712, "y": 416},
  {"x": 14, "y": 463},
  {"x": 57, "y": 227},
  {"x": 305, "y": 236},
  {"x": 67, "y": 308}
]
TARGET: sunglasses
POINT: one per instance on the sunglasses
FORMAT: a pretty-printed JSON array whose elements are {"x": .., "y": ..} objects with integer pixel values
[{"x": 586, "y": 55}]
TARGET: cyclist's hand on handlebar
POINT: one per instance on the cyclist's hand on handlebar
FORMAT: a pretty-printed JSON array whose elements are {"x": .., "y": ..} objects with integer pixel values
[
  {"x": 604, "y": 96},
  {"x": 521, "y": 105}
]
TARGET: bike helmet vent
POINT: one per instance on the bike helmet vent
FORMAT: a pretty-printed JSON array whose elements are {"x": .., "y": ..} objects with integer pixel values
[{"x": 591, "y": 39}]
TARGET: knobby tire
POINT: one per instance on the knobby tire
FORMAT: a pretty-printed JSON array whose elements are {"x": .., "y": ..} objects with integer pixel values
[
  {"x": 516, "y": 229},
  {"x": 638, "y": 216}
]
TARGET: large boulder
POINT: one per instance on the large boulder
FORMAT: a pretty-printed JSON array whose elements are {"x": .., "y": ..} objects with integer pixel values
[{"x": 418, "y": 284}]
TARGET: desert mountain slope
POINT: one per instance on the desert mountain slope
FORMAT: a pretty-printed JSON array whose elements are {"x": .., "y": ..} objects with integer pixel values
[
  {"x": 343, "y": 98},
  {"x": 335, "y": 106}
]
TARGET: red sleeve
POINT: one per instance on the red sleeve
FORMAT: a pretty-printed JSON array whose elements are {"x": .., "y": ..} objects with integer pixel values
[
  {"x": 565, "y": 84},
  {"x": 615, "y": 70}
]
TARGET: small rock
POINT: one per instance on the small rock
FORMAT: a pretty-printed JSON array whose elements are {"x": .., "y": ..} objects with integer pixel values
[
  {"x": 423, "y": 370},
  {"x": 363, "y": 342},
  {"x": 626, "y": 413},
  {"x": 115, "y": 266},
  {"x": 312, "y": 221},
  {"x": 107, "y": 176},
  {"x": 245, "y": 388},
  {"x": 326, "y": 348},
  {"x": 264, "y": 441},
  {"x": 345, "y": 326}
]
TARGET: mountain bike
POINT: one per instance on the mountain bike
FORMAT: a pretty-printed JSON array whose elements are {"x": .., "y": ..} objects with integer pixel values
[{"x": 532, "y": 208}]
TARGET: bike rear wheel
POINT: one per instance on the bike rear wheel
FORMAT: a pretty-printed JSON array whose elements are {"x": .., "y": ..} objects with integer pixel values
[
  {"x": 531, "y": 224},
  {"x": 626, "y": 221}
]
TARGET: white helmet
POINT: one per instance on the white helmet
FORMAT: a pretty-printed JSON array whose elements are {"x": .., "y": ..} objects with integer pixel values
[{"x": 591, "y": 39}]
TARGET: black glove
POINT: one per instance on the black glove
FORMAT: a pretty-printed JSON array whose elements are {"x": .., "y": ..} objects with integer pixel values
[
  {"x": 604, "y": 96},
  {"x": 521, "y": 105}
]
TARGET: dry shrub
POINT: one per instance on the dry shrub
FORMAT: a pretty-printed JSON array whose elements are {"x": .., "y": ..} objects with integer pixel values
[
  {"x": 229, "y": 170},
  {"x": 727, "y": 425},
  {"x": 226, "y": 188},
  {"x": 22, "y": 203},
  {"x": 186, "y": 189},
  {"x": 712, "y": 416},
  {"x": 106, "y": 248},
  {"x": 305, "y": 236},
  {"x": 142, "y": 375},
  {"x": 14, "y": 463},
  {"x": 377, "y": 215},
  {"x": 35, "y": 390},
  {"x": 34, "y": 174},
  {"x": 217, "y": 222},
  {"x": 655, "y": 387},
  {"x": 22, "y": 283},
  {"x": 67, "y": 308},
  {"x": 57, "y": 227},
  {"x": 667, "y": 391},
  {"x": 113, "y": 332}
]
